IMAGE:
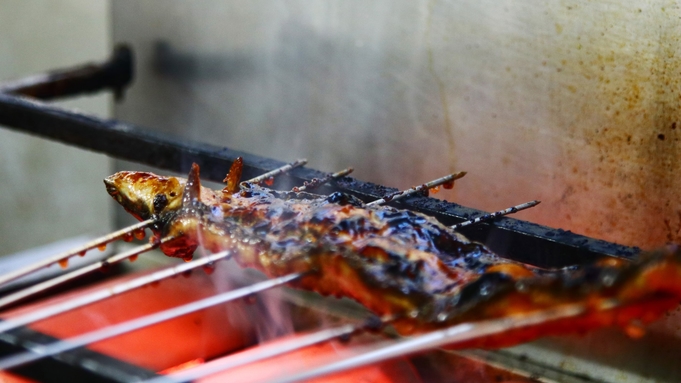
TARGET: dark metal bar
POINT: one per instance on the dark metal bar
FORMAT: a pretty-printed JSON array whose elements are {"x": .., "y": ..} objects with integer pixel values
[
  {"x": 512, "y": 238},
  {"x": 80, "y": 365},
  {"x": 126, "y": 141},
  {"x": 115, "y": 73}
]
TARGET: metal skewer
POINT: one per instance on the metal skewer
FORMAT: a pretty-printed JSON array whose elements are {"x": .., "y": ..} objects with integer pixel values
[
  {"x": 108, "y": 292},
  {"x": 496, "y": 214},
  {"x": 316, "y": 182},
  {"x": 450, "y": 336},
  {"x": 276, "y": 171},
  {"x": 43, "y": 351},
  {"x": 40, "y": 287},
  {"x": 8, "y": 277},
  {"x": 428, "y": 185},
  {"x": 265, "y": 351}
]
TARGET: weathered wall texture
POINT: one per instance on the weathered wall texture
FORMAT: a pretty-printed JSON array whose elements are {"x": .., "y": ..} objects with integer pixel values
[
  {"x": 49, "y": 191},
  {"x": 574, "y": 103}
]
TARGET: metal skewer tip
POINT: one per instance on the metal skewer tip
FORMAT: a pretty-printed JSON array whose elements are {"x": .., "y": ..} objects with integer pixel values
[
  {"x": 108, "y": 292},
  {"x": 317, "y": 182},
  {"x": 496, "y": 214},
  {"x": 8, "y": 277},
  {"x": 448, "y": 179},
  {"x": 40, "y": 287},
  {"x": 275, "y": 172}
]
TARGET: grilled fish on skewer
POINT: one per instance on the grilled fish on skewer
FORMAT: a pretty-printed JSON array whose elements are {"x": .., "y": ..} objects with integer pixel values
[{"x": 395, "y": 262}]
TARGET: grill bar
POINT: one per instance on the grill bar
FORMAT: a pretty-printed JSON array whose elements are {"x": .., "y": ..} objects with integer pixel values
[{"x": 81, "y": 365}]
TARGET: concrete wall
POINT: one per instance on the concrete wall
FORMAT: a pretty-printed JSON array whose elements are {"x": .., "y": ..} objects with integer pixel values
[{"x": 49, "y": 191}]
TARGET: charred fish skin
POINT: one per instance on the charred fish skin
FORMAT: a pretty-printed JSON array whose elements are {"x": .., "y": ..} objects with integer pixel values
[
  {"x": 394, "y": 262},
  {"x": 380, "y": 256},
  {"x": 346, "y": 249}
]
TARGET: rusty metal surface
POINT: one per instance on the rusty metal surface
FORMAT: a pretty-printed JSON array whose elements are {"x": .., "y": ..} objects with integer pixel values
[{"x": 116, "y": 73}]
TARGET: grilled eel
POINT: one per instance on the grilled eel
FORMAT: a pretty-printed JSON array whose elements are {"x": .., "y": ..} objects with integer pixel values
[{"x": 394, "y": 262}]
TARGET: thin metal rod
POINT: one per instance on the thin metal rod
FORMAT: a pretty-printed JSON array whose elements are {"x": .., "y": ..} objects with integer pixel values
[
  {"x": 42, "y": 351},
  {"x": 276, "y": 172},
  {"x": 8, "y": 277},
  {"x": 428, "y": 185},
  {"x": 450, "y": 336},
  {"x": 317, "y": 182},
  {"x": 40, "y": 287},
  {"x": 497, "y": 214},
  {"x": 265, "y": 351},
  {"x": 107, "y": 292},
  {"x": 262, "y": 352}
]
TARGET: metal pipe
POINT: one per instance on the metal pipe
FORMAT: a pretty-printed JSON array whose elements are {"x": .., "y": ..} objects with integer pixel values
[{"x": 116, "y": 73}]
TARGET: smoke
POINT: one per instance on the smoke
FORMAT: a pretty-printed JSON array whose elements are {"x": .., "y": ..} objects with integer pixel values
[{"x": 264, "y": 314}]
